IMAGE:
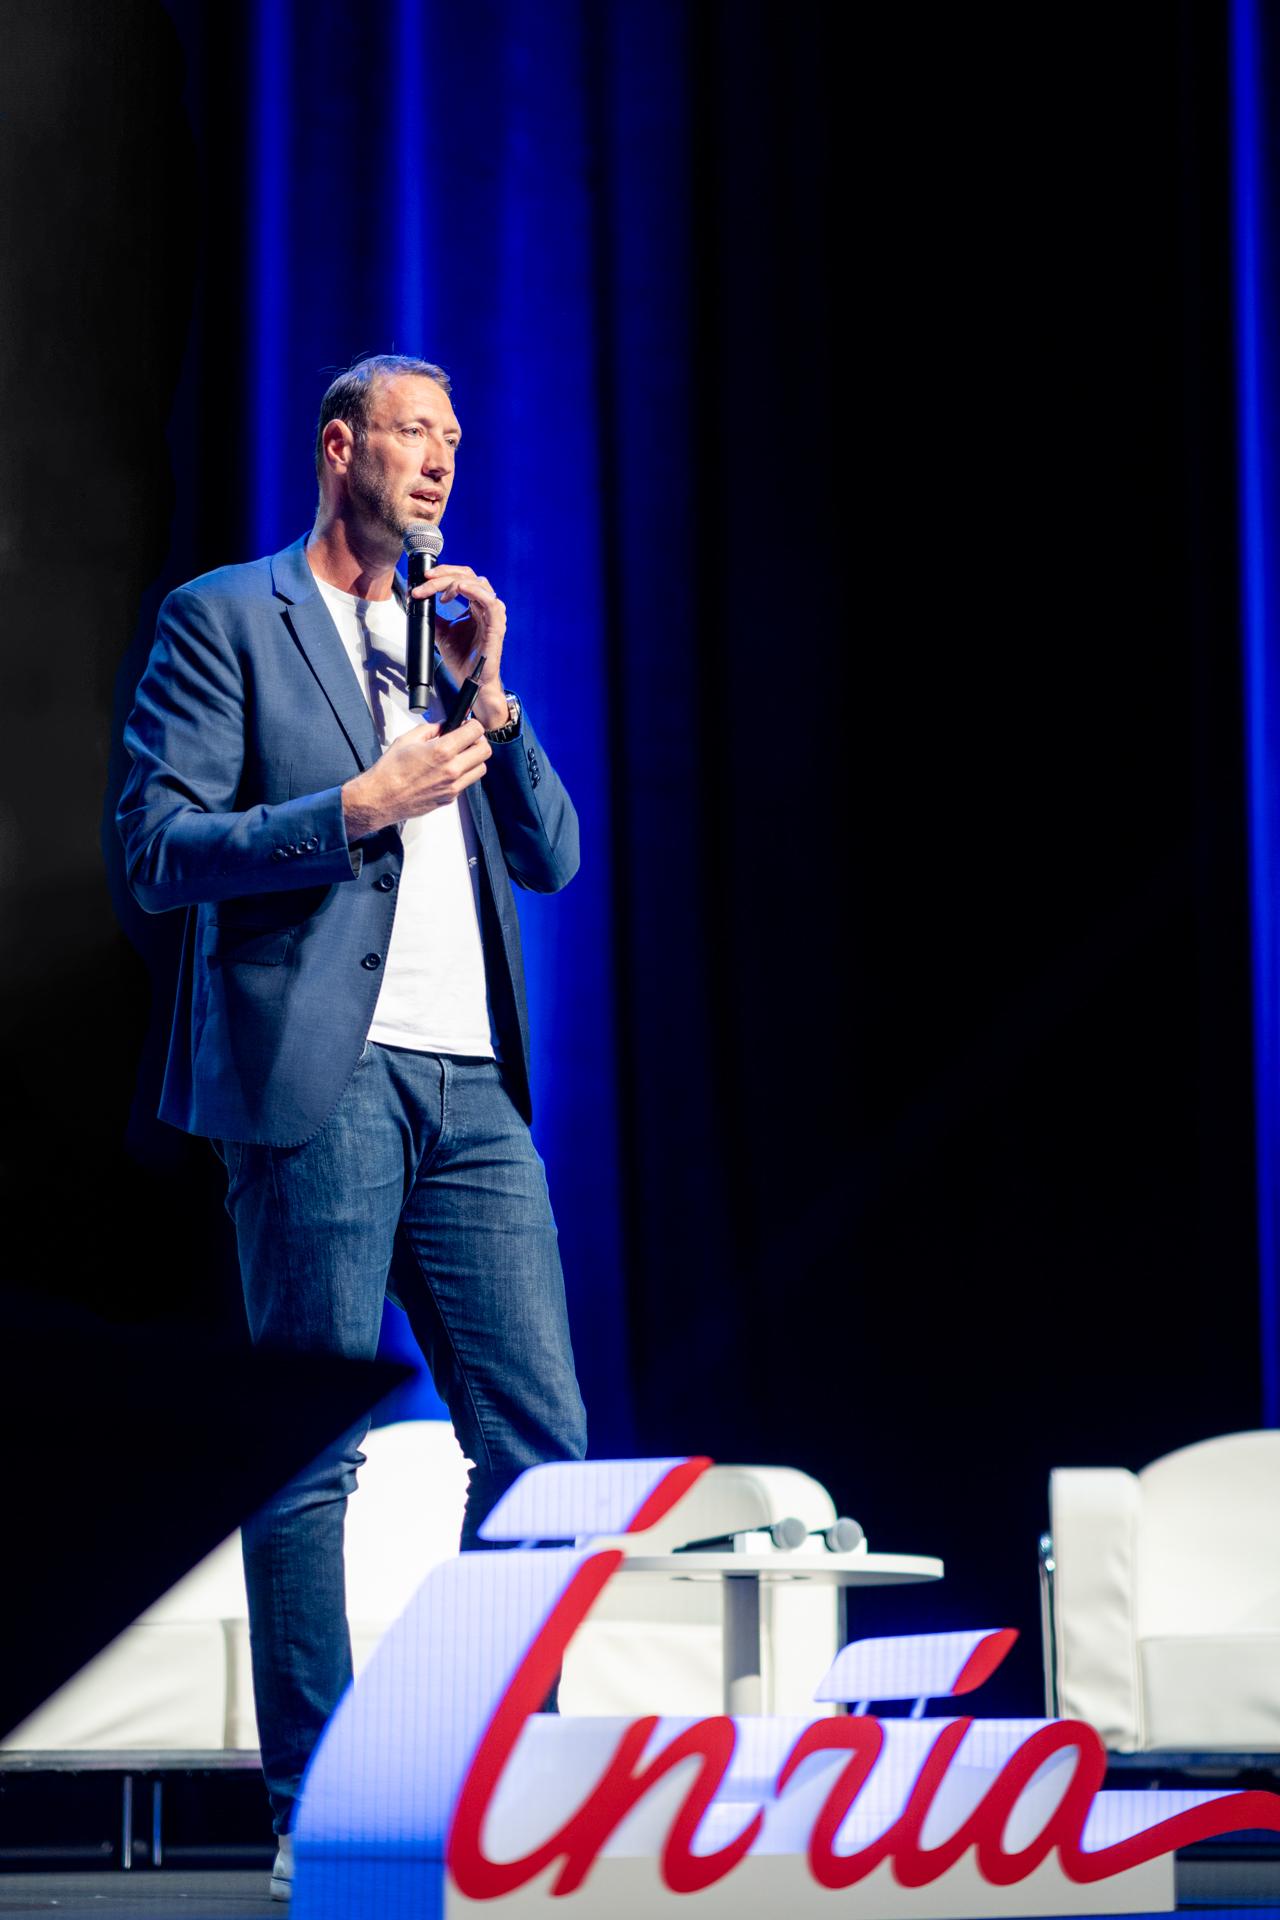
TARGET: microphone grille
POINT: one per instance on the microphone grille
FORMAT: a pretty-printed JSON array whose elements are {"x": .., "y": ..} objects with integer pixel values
[
  {"x": 844, "y": 1535},
  {"x": 427, "y": 540}
]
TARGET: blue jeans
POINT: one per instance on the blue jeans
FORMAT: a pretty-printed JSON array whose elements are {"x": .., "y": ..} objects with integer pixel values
[{"x": 424, "y": 1183}]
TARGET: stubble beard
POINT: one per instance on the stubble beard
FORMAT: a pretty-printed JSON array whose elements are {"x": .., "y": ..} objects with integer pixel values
[{"x": 372, "y": 495}]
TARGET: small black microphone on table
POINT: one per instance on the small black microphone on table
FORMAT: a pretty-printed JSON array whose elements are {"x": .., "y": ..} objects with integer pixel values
[{"x": 424, "y": 545}]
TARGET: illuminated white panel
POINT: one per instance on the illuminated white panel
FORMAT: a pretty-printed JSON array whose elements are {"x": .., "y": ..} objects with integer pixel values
[
  {"x": 575, "y": 1499},
  {"x": 915, "y": 1666}
]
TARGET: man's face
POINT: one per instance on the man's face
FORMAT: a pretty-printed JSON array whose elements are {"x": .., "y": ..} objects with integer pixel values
[{"x": 401, "y": 472}]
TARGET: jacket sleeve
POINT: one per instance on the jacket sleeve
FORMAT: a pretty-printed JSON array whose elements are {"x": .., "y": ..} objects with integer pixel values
[
  {"x": 535, "y": 818},
  {"x": 184, "y": 838}
]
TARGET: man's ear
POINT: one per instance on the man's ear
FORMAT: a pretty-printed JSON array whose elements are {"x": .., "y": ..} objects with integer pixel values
[{"x": 337, "y": 443}]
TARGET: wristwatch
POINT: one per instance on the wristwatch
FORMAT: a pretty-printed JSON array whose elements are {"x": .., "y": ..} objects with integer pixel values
[{"x": 500, "y": 734}]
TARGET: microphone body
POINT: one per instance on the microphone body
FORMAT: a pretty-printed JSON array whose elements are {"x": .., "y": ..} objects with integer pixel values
[
  {"x": 424, "y": 546},
  {"x": 842, "y": 1536},
  {"x": 786, "y": 1534}
]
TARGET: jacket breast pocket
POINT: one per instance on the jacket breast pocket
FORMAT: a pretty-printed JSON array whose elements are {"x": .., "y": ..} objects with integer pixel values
[{"x": 247, "y": 946}]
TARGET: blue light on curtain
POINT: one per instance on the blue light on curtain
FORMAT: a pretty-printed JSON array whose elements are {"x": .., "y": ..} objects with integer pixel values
[
  {"x": 407, "y": 207},
  {"x": 1257, "y": 316},
  {"x": 433, "y": 193},
  {"x": 265, "y": 307}
]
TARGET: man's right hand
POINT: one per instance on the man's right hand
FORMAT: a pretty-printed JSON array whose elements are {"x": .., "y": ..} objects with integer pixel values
[{"x": 422, "y": 770}]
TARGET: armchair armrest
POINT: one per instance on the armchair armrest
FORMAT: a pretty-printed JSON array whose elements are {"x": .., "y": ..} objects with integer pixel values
[{"x": 1093, "y": 1524}]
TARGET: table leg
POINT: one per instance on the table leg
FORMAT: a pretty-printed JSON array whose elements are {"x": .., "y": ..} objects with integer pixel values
[
  {"x": 842, "y": 1632},
  {"x": 743, "y": 1691}
]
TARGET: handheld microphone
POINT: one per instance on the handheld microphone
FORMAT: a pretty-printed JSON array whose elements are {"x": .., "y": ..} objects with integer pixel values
[
  {"x": 843, "y": 1536},
  {"x": 424, "y": 546},
  {"x": 785, "y": 1534}
]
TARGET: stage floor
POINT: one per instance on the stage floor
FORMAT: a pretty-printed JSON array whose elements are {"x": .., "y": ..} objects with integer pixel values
[
  {"x": 209, "y": 1894},
  {"x": 1211, "y": 1890}
]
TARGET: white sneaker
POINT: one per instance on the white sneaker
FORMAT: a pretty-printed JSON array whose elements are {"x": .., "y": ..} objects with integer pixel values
[{"x": 282, "y": 1872}]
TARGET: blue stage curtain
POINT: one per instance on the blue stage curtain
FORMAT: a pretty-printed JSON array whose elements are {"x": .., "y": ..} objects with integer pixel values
[
  {"x": 850, "y": 425},
  {"x": 570, "y": 206},
  {"x": 1256, "y": 158},
  {"x": 429, "y": 183},
  {"x": 782, "y": 385}
]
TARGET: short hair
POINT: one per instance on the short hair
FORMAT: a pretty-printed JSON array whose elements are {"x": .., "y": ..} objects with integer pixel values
[{"x": 348, "y": 397}]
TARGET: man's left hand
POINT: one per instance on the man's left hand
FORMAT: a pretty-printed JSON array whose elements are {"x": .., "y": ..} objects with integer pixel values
[{"x": 480, "y": 630}]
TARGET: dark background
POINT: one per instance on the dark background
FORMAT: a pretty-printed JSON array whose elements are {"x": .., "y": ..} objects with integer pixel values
[{"x": 919, "y": 827}]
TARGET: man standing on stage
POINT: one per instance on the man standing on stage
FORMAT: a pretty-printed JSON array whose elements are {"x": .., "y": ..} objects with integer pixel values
[{"x": 351, "y": 1028}]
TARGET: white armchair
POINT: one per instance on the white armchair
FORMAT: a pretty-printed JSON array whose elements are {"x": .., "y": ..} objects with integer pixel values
[
  {"x": 178, "y": 1680},
  {"x": 1161, "y": 1594}
]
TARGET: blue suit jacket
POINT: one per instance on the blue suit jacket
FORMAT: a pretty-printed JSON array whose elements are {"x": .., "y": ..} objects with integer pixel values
[{"x": 247, "y": 722}]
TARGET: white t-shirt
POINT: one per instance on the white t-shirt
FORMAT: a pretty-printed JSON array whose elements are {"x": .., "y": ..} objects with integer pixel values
[{"x": 433, "y": 997}]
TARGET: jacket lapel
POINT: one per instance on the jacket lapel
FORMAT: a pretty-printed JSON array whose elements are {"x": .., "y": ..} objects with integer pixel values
[{"x": 308, "y": 619}]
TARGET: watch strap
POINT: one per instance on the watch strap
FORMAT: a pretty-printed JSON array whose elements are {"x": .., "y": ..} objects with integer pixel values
[{"x": 498, "y": 735}]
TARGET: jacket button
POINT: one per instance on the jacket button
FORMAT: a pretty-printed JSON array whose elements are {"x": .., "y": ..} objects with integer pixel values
[
  {"x": 313, "y": 843},
  {"x": 278, "y": 853},
  {"x": 384, "y": 883},
  {"x": 371, "y": 960}
]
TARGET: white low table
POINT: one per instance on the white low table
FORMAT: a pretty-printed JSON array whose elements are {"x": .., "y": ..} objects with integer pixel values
[{"x": 743, "y": 1574}]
